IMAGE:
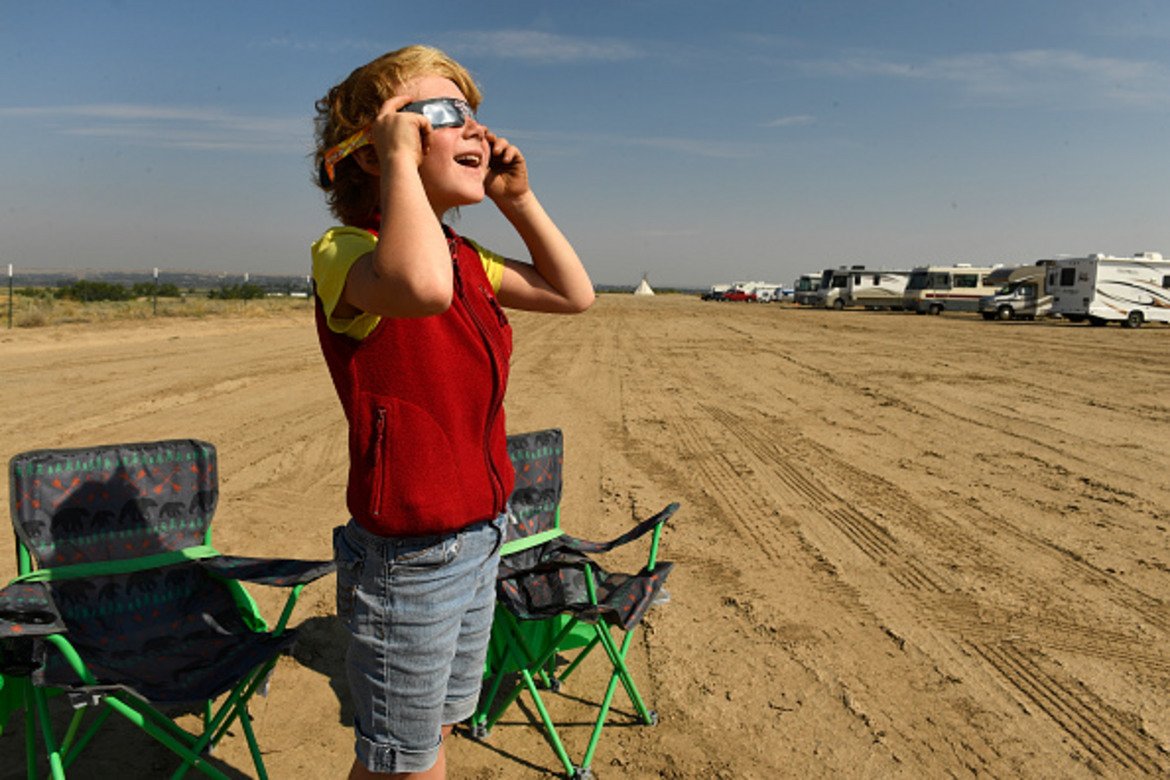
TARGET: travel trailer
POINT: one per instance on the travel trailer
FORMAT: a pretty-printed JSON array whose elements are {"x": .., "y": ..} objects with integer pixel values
[
  {"x": 933, "y": 289},
  {"x": 875, "y": 289},
  {"x": 805, "y": 288},
  {"x": 1023, "y": 293},
  {"x": 1103, "y": 289}
]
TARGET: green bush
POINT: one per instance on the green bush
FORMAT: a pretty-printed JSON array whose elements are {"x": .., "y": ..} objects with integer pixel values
[
  {"x": 84, "y": 290},
  {"x": 146, "y": 290},
  {"x": 244, "y": 292}
]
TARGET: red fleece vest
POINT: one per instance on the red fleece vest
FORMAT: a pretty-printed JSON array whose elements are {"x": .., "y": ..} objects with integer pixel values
[{"x": 424, "y": 400}]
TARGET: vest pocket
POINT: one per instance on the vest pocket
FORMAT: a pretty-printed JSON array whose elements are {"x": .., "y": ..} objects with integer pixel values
[{"x": 413, "y": 471}]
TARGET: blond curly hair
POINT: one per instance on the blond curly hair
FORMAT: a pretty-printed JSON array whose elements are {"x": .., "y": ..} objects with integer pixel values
[{"x": 352, "y": 196}]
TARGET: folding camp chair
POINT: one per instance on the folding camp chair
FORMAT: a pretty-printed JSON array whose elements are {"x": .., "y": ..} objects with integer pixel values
[
  {"x": 122, "y": 606},
  {"x": 552, "y": 598}
]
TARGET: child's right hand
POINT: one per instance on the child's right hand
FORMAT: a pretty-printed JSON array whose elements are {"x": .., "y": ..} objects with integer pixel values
[{"x": 395, "y": 133}]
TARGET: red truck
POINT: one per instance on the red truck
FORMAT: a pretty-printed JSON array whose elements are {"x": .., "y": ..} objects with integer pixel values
[{"x": 739, "y": 295}]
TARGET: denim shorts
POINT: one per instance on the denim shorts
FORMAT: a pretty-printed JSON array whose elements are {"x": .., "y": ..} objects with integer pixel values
[{"x": 419, "y": 613}]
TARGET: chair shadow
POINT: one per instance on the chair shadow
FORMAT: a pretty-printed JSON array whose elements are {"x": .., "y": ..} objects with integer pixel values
[{"x": 122, "y": 751}]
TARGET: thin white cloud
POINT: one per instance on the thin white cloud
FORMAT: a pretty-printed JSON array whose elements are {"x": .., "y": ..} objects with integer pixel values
[
  {"x": 795, "y": 120},
  {"x": 1052, "y": 77},
  {"x": 536, "y": 46},
  {"x": 176, "y": 127}
]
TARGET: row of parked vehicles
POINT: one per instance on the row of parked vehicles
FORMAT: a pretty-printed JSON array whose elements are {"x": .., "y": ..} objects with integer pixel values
[{"x": 1097, "y": 289}]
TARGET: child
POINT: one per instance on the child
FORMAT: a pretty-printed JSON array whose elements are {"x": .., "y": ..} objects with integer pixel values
[{"x": 410, "y": 322}]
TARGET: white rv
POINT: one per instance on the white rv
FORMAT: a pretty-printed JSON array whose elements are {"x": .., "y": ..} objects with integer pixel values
[
  {"x": 834, "y": 284},
  {"x": 805, "y": 288},
  {"x": 1023, "y": 293},
  {"x": 933, "y": 289},
  {"x": 875, "y": 289},
  {"x": 1102, "y": 289}
]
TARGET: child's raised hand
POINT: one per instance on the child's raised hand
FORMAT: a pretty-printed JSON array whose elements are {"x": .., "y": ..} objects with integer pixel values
[
  {"x": 395, "y": 132},
  {"x": 507, "y": 176}
]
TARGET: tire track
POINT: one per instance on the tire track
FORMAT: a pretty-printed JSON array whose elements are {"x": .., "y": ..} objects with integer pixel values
[
  {"x": 1103, "y": 733},
  {"x": 871, "y": 538}
]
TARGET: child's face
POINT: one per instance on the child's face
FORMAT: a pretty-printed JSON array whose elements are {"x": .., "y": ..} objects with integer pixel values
[{"x": 456, "y": 159}]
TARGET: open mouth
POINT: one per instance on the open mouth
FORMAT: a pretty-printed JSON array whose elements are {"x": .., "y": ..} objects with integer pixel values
[{"x": 469, "y": 160}]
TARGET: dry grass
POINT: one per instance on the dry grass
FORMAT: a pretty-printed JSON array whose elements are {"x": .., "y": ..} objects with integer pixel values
[{"x": 41, "y": 312}]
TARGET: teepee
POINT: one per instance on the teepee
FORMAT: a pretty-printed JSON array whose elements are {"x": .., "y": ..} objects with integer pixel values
[{"x": 644, "y": 288}]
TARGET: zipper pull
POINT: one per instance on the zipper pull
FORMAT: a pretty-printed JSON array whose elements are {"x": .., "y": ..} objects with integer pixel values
[
  {"x": 456, "y": 278},
  {"x": 496, "y": 307}
]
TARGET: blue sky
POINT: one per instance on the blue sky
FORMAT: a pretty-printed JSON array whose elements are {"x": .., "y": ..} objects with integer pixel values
[{"x": 696, "y": 142}]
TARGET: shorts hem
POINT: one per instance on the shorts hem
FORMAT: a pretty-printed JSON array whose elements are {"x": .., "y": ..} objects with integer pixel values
[
  {"x": 459, "y": 711},
  {"x": 385, "y": 759}
]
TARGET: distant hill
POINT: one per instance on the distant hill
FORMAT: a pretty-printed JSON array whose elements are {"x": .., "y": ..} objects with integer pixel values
[
  {"x": 199, "y": 280},
  {"x": 184, "y": 280}
]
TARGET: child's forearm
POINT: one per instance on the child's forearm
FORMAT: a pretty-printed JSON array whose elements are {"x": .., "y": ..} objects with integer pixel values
[
  {"x": 553, "y": 257},
  {"x": 409, "y": 272}
]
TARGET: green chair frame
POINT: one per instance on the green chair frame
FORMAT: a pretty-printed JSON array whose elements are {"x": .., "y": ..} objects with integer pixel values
[
  {"x": 17, "y": 691},
  {"x": 531, "y": 648}
]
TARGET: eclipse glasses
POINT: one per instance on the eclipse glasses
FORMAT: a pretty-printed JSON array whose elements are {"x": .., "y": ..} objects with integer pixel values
[{"x": 440, "y": 112}]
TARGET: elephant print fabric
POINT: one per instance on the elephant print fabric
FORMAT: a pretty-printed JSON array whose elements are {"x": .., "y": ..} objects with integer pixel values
[
  {"x": 111, "y": 503},
  {"x": 537, "y": 459},
  {"x": 124, "y": 502}
]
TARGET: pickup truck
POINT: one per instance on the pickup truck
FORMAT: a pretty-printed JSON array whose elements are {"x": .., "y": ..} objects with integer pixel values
[{"x": 739, "y": 295}]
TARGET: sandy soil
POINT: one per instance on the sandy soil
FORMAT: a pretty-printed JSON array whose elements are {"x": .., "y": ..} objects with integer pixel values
[{"x": 908, "y": 546}]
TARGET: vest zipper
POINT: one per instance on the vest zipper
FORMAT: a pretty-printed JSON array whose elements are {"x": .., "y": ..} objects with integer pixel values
[
  {"x": 379, "y": 477},
  {"x": 497, "y": 481}
]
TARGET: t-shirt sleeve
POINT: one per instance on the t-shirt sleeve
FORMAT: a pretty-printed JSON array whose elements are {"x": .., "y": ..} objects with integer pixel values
[
  {"x": 493, "y": 265},
  {"x": 333, "y": 255}
]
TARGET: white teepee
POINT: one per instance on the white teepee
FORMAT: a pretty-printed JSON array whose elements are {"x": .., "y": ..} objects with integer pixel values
[{"x": 644, "y": 288}]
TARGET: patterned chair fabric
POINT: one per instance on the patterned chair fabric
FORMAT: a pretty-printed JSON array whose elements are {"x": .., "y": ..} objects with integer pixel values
[
  {"x": 537, "y": 458},
  {"x": 550, "y": 579},
  {"x": 177, "y": 632},
  {"x": 113, "y": 503}
]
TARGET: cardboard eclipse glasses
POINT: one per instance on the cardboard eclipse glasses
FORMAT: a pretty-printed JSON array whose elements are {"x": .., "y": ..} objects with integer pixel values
[{"x": 440, "y": 112}]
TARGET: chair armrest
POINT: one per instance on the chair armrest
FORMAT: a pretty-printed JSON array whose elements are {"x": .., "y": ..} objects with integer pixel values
[
  {"x": 278, "y": 572},
  {"x": 641, "y": 529},
  {"x": 27, "y": 610}
]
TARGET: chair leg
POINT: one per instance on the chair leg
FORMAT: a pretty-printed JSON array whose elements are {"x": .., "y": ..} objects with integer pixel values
[
  {"x": 253, "y": 745},
  {"x": 56, "y": 764},
  {"x": 30, "y": 734},
  {"x": 621, "y": 673},
  {"x": 72, "y": 752},
  {"x": 550, "y": 730}
]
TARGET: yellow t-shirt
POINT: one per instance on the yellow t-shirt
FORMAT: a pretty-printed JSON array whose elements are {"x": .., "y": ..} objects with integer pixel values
[{"x": 335, "y": 252}]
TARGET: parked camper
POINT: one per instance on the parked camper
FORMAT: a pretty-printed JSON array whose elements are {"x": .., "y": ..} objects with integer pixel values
[
  {"x": 769, "y": 294},
  {"x": 933, "y": 289},
  {"x": 875, "y": 289},
  {"x": 1102, "y": 289},
  {"x": 805, "y": 288},
  {"x": 834, "y": 283},
  {"x": 1023, "y": 293}
]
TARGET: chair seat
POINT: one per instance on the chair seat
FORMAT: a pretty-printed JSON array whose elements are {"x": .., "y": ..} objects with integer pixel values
[
  {"x": 179, "y": 634},
  {"x": 550, "y": 579}
]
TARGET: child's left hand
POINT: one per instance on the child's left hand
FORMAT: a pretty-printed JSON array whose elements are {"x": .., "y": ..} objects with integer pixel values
[{"x": 507, "y": 177}]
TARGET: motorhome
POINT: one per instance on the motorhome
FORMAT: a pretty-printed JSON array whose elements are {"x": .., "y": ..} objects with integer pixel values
[
  {"x": 933, "y": 289},
  {"x": 1022, "y": 294},
  {"x": 805, "y": 288},
  {"x": 874, "y": 289},
  {"x": 834, "y": 283},
  {"x": 1102, "y": 289}
]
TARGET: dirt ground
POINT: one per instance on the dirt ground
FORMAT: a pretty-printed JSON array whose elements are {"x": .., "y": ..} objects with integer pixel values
[{"x": 908, "y": 546}]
